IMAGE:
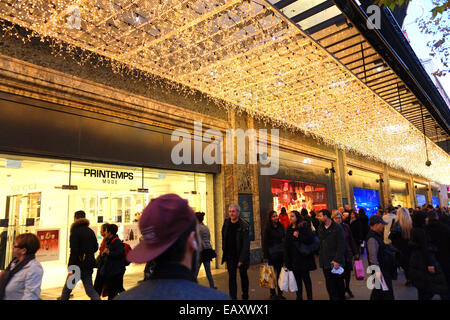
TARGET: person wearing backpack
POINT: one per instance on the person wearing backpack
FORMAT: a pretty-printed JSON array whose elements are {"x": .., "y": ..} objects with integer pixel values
[
  {"x": 381, "y": 255},
  {"x": 113, "y": 268}
]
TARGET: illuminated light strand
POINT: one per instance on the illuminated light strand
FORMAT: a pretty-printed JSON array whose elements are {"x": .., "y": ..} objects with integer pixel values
[{"x": 254, "y": 69}]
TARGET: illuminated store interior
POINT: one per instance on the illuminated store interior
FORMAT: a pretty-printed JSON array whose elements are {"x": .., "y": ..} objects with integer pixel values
[{"x": 41, "y": 195}]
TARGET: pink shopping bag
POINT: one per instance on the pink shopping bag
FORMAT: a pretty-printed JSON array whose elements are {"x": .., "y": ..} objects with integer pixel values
[{"x": 359, "y": 270}]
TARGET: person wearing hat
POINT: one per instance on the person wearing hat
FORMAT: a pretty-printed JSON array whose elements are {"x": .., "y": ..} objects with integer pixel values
[
  {"x": 236, "y": 250},
  {"x": 168, "y": 227},
  {"x": 381, "y": 255}
]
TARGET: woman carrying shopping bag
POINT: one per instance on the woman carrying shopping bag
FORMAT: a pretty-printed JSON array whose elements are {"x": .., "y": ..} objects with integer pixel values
[
  {"x": 298, "y": 233},
  {"x": 273, "y": 241}
]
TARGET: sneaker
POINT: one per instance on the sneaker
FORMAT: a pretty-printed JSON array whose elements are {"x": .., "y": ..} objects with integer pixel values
[{"x": 281, "y": 297}]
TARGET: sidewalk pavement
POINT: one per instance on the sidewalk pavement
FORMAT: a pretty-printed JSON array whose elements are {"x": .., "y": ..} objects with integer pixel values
[{"x": 359, "y": 288}]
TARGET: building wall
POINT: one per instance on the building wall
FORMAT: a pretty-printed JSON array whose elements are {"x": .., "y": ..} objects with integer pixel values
[{"x": 32, "y": 71}]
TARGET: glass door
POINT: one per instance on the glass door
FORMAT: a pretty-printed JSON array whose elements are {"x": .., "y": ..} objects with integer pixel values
[{"x": 13, "y": 225}]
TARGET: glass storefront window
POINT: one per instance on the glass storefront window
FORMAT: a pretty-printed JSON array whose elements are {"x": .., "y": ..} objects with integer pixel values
[
  {"x": 295, "y": 195},
  {"x": 421, "y": 194},
  {"x": 367, "y": 199},
  {"x": 365, "y": 190},
  {"x": 399, "y": 193},
  {"x": 34, "y": 198}
]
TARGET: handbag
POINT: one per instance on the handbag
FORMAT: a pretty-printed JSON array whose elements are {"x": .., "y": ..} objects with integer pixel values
[
  {"x": 359, "y": 269},
  {"x": 308, "y": 249},
  {"x": 267, "y": 278},
  {"x": 207, "y": 255},
  {"x": 276, "y": 251}
]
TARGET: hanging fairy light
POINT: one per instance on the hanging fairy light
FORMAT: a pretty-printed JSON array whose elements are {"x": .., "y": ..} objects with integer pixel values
[{"x": 243, "y": 55}]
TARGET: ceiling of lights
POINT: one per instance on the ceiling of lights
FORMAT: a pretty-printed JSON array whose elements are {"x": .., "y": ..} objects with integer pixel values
[{"x": 246, "y": 54}]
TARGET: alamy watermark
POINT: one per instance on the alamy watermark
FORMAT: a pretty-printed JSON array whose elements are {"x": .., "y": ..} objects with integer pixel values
[
  {"x": 374, "y": 18},
  {"x": 213, "y": 154}
]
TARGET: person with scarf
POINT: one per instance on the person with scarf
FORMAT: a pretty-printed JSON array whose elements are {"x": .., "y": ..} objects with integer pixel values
[{"x": 22, "y": 279}]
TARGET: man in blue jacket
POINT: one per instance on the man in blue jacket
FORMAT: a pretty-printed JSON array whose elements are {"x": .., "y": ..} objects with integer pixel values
[{"x": 168, "y": 226}]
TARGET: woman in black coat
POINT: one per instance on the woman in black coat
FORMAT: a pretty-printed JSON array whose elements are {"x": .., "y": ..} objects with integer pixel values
[
  {"x": 113, "y": 268},
  {"x": 424, "y": 270},
  {"x": 300, "y": 231},
  {"x": 273, "y": 243}
]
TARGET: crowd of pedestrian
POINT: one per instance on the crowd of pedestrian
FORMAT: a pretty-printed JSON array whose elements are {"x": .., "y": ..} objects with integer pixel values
[
  {"x": 175, "y": 242},
  {"x": 416, "y": 241}
]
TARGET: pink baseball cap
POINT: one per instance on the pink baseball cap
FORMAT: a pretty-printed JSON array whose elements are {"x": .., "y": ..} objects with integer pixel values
[{"x": 162, "y": 222}]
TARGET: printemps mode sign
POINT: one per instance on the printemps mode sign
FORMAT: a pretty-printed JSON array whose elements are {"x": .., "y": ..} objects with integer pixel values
[
  {"x": 99, "y": 177},
  {"x": 109, "y": 176}
]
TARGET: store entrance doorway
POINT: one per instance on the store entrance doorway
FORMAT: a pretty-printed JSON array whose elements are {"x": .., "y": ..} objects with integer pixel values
[{"x": 14, "y": 222}]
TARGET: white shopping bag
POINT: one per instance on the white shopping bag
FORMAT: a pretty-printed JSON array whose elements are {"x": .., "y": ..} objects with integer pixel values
[
  {"x": 283, "y": 280},
  {"x": 292, "y": 282}
]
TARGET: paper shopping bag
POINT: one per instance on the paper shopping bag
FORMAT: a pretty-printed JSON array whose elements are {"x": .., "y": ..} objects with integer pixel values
[{"x": 267, "y": 277}]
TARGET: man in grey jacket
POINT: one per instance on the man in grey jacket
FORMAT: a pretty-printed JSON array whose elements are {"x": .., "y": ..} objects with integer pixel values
[
  {"x": 168, "y": 227},
  {"x": 332, "y": 254}
]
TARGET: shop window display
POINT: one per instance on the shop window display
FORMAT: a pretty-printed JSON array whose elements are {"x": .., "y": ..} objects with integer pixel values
[
  {"x": 367, "y": 199},
  {"x": 34, "y": 198},
  {"x": 295, "y": 195},
  {"x": 421, "y": 199}
]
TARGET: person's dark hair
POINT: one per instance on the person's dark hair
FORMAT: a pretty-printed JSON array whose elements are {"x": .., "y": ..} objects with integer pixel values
[
  {"x": 103, "y": 227},
  {"x": 361, "y": 212},
  {"x": 80, "y": 214},
  {"x": 200, "y": 216},
  {"x": 418, "y": 219},
  {"x": 175, "y": 253},
  {"x": 28, "y": 241},
  {"x": 432, "y": 215},
  {"x": 326, "y": 212},
  {"x": 112, "y": 228},
  {"x": 271, "y": 212},
  {"x": 283, "y": 211},
  {"x": 298, "y": 216},
  {"x": 304, "y": 212}
]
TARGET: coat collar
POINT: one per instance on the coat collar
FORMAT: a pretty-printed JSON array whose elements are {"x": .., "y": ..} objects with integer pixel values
[{"x": 80, "y": 222}]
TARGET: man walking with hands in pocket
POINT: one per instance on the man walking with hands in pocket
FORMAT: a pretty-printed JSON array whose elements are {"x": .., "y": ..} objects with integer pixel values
[
  {"x": 236, "y": 250},
  {"x": 332, "y": 254}
]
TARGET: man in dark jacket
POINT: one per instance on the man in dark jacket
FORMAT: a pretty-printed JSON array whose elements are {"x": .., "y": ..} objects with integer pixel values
[
  {"x": 439, "y": 234},
  {"x": 83, "y": 245},
  {"x": 168, "y": 226},
  {"x": 380, "y": 255},
  {"x": 236, "y": 250},
  {"x": 332, "y": 254}
]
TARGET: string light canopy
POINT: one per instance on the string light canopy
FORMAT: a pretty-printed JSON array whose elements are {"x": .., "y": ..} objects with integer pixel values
[{"x": 243, "y": 53}]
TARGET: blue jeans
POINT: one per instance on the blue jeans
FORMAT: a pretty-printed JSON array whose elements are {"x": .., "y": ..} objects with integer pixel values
[
  {"x": 86, "y": 278},
  {"x": 207, "y": 265}
]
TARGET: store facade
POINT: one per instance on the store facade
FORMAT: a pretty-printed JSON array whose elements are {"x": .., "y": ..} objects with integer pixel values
[
  {"x": 55, "y": 162},
  {"x": 303, "y": 181},
  {"x": 114, "y": 145}
]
